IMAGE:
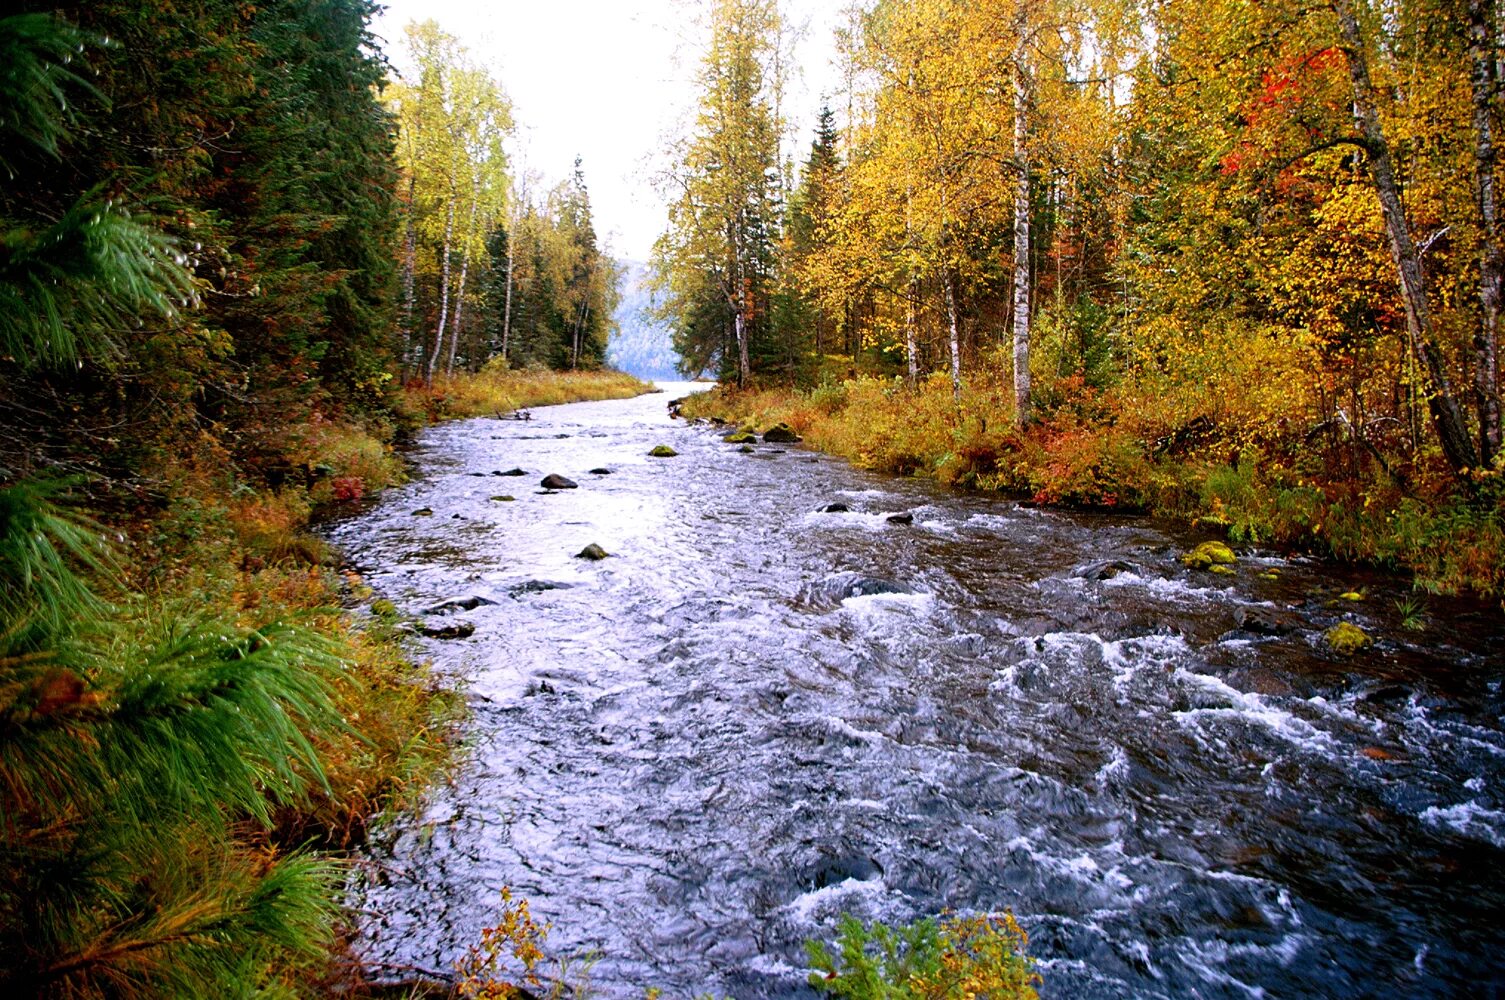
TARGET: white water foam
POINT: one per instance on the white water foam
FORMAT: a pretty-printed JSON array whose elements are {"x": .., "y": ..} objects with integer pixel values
[
  {"x": 1252, "y": 708},
  {"x": 1471, "y": 819}
]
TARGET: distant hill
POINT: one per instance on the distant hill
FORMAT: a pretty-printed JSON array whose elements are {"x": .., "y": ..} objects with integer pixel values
[{"x": 642, "y": 346}]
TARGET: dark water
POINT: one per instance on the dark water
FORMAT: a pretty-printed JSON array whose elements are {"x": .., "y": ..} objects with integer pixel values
[{"x": 696, "y": 754}]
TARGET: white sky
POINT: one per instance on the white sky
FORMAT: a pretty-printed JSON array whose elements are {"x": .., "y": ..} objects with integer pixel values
[{"x": 606, "y": 80}]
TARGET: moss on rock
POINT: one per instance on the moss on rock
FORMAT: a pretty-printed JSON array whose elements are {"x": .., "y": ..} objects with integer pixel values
[
  {"x": 1346, "y": 638},
  {"x": 1208, "y": 555}
]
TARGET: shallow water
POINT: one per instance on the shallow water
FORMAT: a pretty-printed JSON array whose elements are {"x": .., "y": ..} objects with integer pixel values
[{"x": 753, "y": 717}]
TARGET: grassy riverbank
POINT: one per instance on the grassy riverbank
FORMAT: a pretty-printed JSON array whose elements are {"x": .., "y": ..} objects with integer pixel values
[
  {"x": 200, "y": 725},
  {"x": 1127, "y": 452}
]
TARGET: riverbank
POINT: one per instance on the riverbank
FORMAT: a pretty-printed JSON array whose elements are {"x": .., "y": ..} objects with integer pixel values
[
  {"x": 201, "y": 727},
  {"x": 1103, "y": 454}
]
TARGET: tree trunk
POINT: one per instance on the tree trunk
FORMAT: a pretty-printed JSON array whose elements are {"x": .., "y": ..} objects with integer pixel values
[
  {"x": 409, "y": 255},
  {"x": 1483, "y": 84},
  {"x": 1447, "y": 416},
  {"x": 449, "y": 232},
  {"x": 470, "y": 235},
  {"x": 910, "y": 346},
  {"x": 507, "y": 308},
  {"x": 956, "y": 341},
  {"x": 1021, "y": 244}
]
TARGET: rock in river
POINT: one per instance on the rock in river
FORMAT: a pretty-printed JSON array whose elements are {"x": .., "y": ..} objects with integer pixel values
[
  {"x": 780, "y": 433},
  {"x": 834, "y": 508},
  {"x": 510, "y": 472},
  {"x": 1346, "y": 638},
  {"x": 1209, "y": 554},
  {"x": 557, "y": 482},
  {"x": 454, "y": 630},
  {"x": 468, "y": 602},
  {"x": 1105, "y": 570},
  {"x": 662, "y": 451},
  {"x": 593, "y": 552},
  {"x": 904, "y": 517}
]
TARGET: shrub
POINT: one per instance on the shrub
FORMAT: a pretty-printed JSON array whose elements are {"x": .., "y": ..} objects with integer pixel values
[{"x": 959, "y": 958}]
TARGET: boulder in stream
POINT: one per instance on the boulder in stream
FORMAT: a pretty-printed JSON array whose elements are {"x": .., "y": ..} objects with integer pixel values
[
  {"x": 424, "y": 512},
  {"x": 593, "y": 552},
  {"x": 741, "y": 437},
  {"x": 1106, "y": 569},
  {"x": 1208, "y": 555},
  {"x": 553, "y": 481},
  {"x": 504, "y": 498},
  {"x": 781, "y": 433},
  {"x": 600, "y": 471},
  {"x": 1264, "y": 621},
  {"x": 834, "y": 508},
  {"x": 904, "y": 517},
  {"x": 662, "y": 451},
  {"x": 1346, "y": 639},
  {"x": 453, "y": 630},
  {"x": 467, "y": 602},
  {"x": 509, "y": 472}
]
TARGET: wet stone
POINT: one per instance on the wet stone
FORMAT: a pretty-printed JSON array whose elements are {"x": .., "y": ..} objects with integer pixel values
[
  {"x": 593, "y": 552},
  {"x": 510, "y": 472},
  {"x": 904, "y": 518},
  {"x": 455, "y": 630},
  {"x": 834, "y": 508},
  {"x": 1107, "y": 569},
  {"x": 554, "y": 481}
]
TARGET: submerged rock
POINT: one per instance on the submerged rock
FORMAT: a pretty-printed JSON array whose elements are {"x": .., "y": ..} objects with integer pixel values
[
  {"x": 1209, "y": 554},
  {"x": 537, "y": 587},
  {"x": 830, "y": 592},
  {"x": 557, "y": 482},
  {"x": 834, "y": 508},
  {"x": 1264, "y": 621},
  {"x": 468, "y": 602},
  {"x": 781, "y": 433},
  {"x": 1104, "y": 570},
  {"x": 1346, "y": 638},
  {"x": 747, "y": 449},
  {"x": 424, "y": 512},
  {"x": 906, "y": 517},
  {"x": 454, "y": 630},
  {"x": 603, "y": 471},
  {"x": 593, "y": 552},
  {"x": 504, "y": 498},
  {"x": 510, "y": 472},
  {"x": 662, "y": 451}
]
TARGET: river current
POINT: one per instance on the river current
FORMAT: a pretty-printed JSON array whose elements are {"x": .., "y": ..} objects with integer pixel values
[{"x": 757, "y": 715}]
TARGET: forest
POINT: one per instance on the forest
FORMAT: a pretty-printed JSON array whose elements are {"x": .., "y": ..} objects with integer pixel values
[
  {"x": 1235, "y": 264},
  {"x": 1229, "y": 262}
]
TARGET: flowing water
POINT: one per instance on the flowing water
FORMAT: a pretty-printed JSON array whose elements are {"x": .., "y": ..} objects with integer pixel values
[{"x": 755, "y": 716}]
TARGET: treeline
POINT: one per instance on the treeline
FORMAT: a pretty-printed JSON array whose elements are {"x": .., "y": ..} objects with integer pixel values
[
  {"x": 1259, "y": 239},
  {"x": 489, "y": 268}
]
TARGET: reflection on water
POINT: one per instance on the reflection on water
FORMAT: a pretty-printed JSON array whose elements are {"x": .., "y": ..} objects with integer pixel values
[{"x": 753, "y": 716}]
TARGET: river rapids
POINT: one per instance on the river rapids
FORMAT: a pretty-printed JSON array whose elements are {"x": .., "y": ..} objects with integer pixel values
[{"x": 756, "y": 715}]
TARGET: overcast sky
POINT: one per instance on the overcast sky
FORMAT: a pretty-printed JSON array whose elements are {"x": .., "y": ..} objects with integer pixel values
[{"x": 605, "y": 80}]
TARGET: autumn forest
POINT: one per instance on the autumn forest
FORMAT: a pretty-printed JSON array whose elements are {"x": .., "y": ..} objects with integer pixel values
[{"x": 1236, "y": 266}]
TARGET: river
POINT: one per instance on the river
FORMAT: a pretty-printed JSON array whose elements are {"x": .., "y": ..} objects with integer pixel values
[{"x": 755, "y": 716}]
